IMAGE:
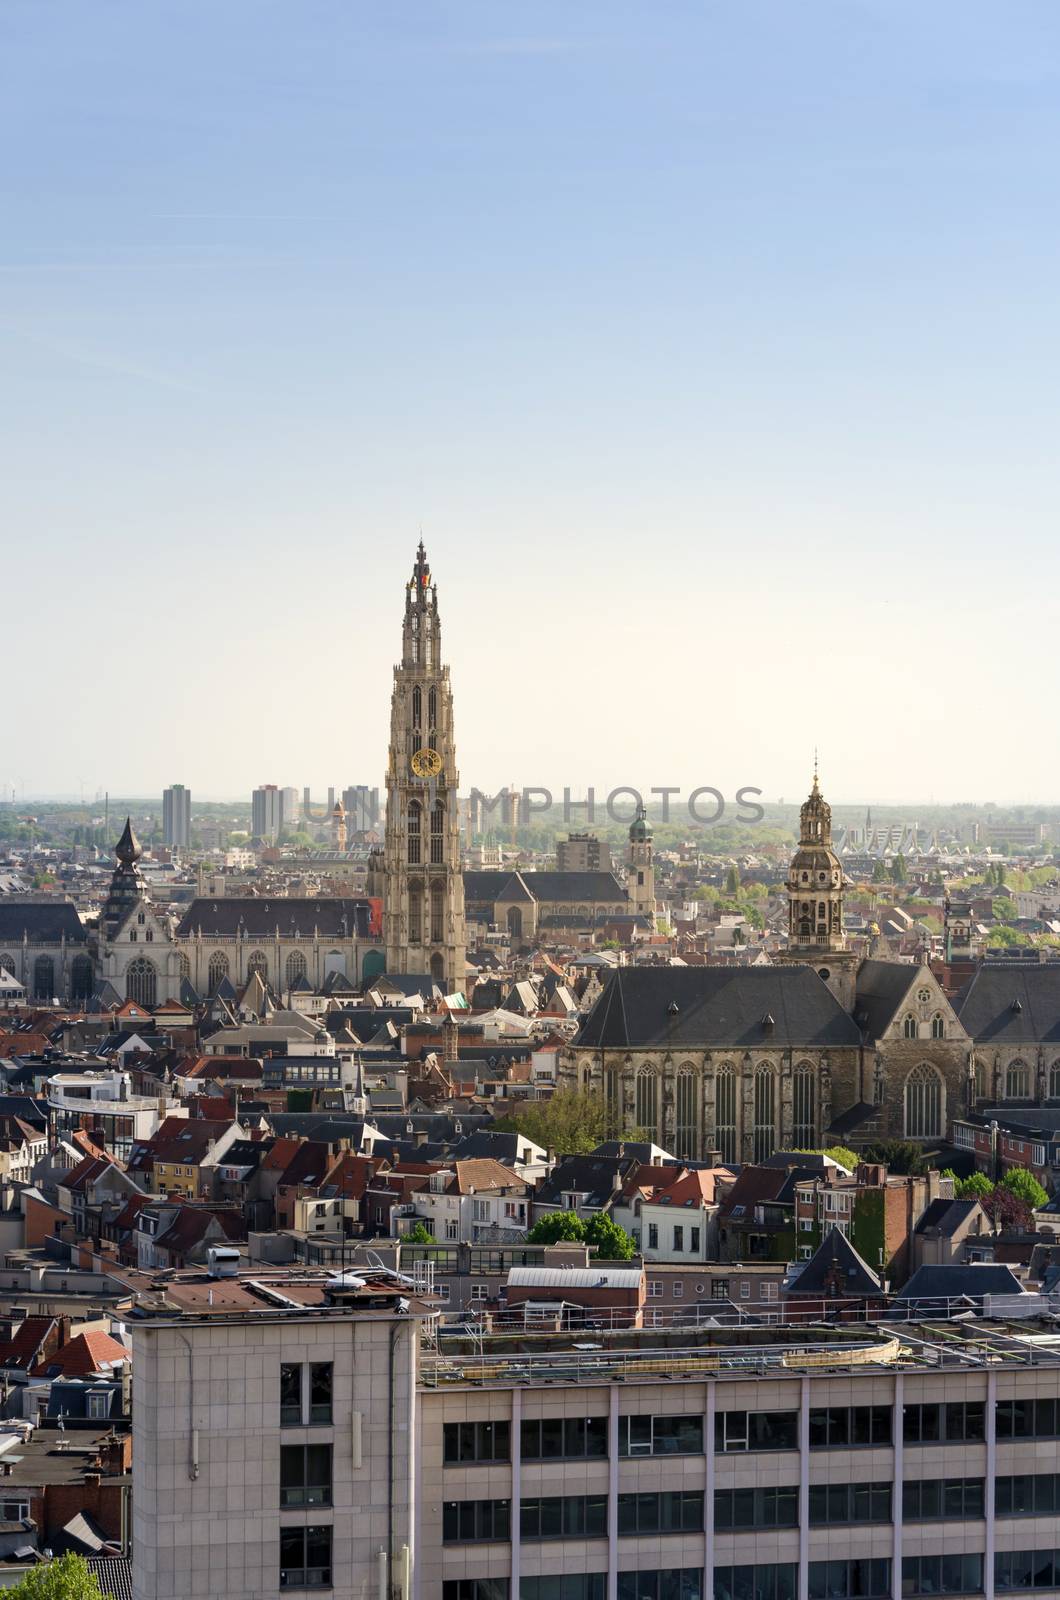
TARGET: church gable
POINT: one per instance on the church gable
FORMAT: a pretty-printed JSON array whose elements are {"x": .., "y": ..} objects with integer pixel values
[{"x": 897, "y": 1000}]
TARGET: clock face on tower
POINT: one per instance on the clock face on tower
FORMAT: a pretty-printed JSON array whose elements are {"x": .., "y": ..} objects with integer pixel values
[{"x": 426, "y": 763}]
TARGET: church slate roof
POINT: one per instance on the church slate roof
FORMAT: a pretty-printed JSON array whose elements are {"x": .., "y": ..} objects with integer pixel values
[
  {"x": 332, "y": 917},
  {"x": 562, "y": 888},
  {"x": 1006, "y": 1003},
  {"x": 881, "y": 987},
  {"x": 717, "y": 1007},
  {"x": 42, "y": 922}
]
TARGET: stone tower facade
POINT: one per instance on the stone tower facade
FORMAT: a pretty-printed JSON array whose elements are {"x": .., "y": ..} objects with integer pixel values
[
  {"x": 641, "y": 867},
  {"x": 816, "y": 936},
  {"x": 424, "y": 901}
]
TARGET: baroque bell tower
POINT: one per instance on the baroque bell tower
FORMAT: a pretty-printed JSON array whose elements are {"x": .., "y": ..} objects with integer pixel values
[
  {"x": 424, "y": 900},
  {"x": 816, "y": 936}
]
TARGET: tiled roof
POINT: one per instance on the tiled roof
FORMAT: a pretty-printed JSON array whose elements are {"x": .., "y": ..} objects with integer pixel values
[
  {"x": 331, "y": 917},
  {"x": 1006, "y": 1004},
  {"x": 83, "y": 1355}
]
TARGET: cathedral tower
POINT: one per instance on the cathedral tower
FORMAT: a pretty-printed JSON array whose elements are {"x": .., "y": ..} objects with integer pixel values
[
  {"x": 815, "y": 901},
  {"x": 424, "y": 910},
  {"x": 641, "y": 868}
]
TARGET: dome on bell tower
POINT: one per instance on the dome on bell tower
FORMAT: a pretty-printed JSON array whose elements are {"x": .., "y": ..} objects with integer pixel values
[{"x": 640, "y": 827}]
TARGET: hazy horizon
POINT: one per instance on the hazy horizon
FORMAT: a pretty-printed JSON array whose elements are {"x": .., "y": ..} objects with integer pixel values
[{"x": 713, "y": 349}]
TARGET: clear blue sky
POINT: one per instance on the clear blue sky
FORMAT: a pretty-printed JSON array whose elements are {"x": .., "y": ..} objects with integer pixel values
[{"x": 714, "y": 346}]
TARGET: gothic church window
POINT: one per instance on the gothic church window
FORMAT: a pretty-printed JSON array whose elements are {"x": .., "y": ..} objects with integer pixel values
[
  {"x": 646, "y": 1111},
  {"x": 923, "y": 1103},
  {"x": 417, "y": 707},
  {"x": 686, "y": 1124},
  {"x": 804, "y": 1122},
  {"x": 414, "y": 833},
  {"x": 765, "y": 1113},
  {"x": 415, "y": 913},
  {"x": 80, "y": 977},
  {"x": 909, "y": 1027},
  {"x": 1054, "y": 1081},
  {"x": 218, "y": 969},
  {"x": 141, "y": 982},
  {"x": 43, "y": 978},
  {"x": 437, "y": 913},
  {"x": 258, "y": 963},
  {"x": 1017, "y": 1081},
  {"x": 938, "y": 1026},
  {"x": 295, "y": 967},
  {"x": 438, "y": 833},
  {"x": 725, "y": 1109},
  {"x": 7, "y": 964}
]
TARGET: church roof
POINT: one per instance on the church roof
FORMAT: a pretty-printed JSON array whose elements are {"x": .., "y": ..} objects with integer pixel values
[
  {"x": 332, "y": 917},
  {"x": 487, "y": 888},
  {"x": 746, "y": 1007},
  {"x": 1006, "y": 1004},
  {"x": 880, "y": 990},
  {"x": 42, "y": 922}
]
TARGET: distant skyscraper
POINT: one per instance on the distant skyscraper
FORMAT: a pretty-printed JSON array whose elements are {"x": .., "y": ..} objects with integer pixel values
[
  {"x": 291, "y": 812},
  {"x": 266, "y": 812},
  {"x": 176, "y": 816},
  {"x": 361, "y": 806}
]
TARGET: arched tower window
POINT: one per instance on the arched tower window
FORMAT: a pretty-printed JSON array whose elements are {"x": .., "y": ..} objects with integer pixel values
[
  {"x": 417, "y": 707},
  {"x": 1017, "y": 1081},
  {"x": 686, "y": 1105},
  {"x": 725, "y": 1110},
  {"x": 415, "y": 913},
  {"x": 438, "y": 833},
  {"x": 646, "y": 1106},
  {"x": 437, "y": 912},
  {"x": 804, "y": 1116},
  {"x": 295, "y": 967},
  {"x": 414, "y": 821},
  {"x": 923, "y": 1103},
  {"x": 43, "y": 978},
  {"x": 218, "y": 969},
  {"x": 141, "y": 982},
  {"x": 259, "y": 963},
  {"x": 765, "y": 1113},
  {"x": 613, "y": 1097}
]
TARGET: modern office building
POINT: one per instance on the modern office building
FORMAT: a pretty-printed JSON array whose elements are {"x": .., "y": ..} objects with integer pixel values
[
  {"x": 292, "y": 1434},
  {"x": 266, "y": 812},
  {"x": 176, "y": 816}
]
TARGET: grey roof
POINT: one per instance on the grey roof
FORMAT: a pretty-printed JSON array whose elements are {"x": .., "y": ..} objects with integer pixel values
[
  {"x": 1012, "y": 1004},
  {"x": 946, "y": 1216},
  {"x": 853, "y": 1117},
  {"x": 42, "y": 921},
  {"x": 836, "y": 1253},
  {"x": 188, "y": 994},
  {"x": 593, "y": 1176},
  {"x": 881, "y": 988},
  {"x": 114, "y": 1574},
  {"x": 331, "y": 917},
  {"x": 953, "y": 1280},
  {"x": 563, "y": 888},
  {"x": 700, "y": 1007}
]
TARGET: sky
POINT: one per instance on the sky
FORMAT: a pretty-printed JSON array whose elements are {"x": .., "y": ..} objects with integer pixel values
[{"x": 713, "y": 347}]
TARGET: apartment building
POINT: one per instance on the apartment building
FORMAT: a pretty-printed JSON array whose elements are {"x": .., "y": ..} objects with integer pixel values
[{"x": 294, "y": 1435}]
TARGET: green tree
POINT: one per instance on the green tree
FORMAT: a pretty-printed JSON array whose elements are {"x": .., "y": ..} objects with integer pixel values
[
  {"x": 612, "y": 1242},
  {"x": 1025, "y": 1186},
  {"x": 555, "y": 1227},
  {"x": 897, "y": 1155},
  {"x": 732, "y": 880},
  {"x": 879, "y": 872},
  {"x": 977, "y": 1187},
  {"x": 898, "y": 870},
  {"x": 838, "y": 1152},
  {"x": 572, "y": 1122},
  {"x": 68, "y": 1578},
  {"x": 419, "y": 1233}
]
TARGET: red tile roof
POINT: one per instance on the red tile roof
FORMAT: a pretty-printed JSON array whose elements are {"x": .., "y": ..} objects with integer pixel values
[{"x": 82, "y": 1356}]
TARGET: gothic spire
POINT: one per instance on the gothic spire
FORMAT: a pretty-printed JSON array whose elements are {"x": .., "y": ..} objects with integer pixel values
[{"x": 128, "y": 848}]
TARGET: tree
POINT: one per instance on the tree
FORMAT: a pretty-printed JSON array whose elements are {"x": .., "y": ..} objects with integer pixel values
[
  {"x": 555, "y": 1227},
  {"x": 977, "y": 1187},
  {"x": 732, "y": 880},
  {"x": 1025, "y": 1186},
  {"x": 899, "y": 1156},
  {"x": 572, "y": 1122},
  {"x": 1007, "y": 1210},
  {"x": 419, "y": 1233},
  {"x": 898, "y": 871},
  {"x": 612, "y": 1242},
  {"x": 68, "y": 1578},
  {"x": 837, "y": 1152},
  {"x": 1004, "y": 909}
]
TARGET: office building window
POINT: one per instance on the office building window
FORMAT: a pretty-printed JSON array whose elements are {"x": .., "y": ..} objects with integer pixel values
[
  {"x": 573, "y": 1516},
  {"x": 756, "y": 1430},
  {"x": 756, "y": 1508},
  {"x": 563, "y": 1586},
  {"x": 849, "y": 1580},
  {"x": 476, "y": 1589},
  {"x": 563, "y": 1438},
  {"x": 849, "y": 1502},
  {"x": 467, "y": 1521},
  {"x": 305, "y": 1393},
  {"x": 957, "y": 1574},
  {"x": 464, "y": 1442},
  {"x": 1027, "y": 1419},
  {"x": 645, "y": 1435},
  {"x": 1027, "y": 1495},
  {"x": 1026, "y": 1569},
  {"x": 833, "y": 1427},
  {"x": 305, "y": 1475},
  {"x": 933, "y": 1499},
  {"x": 305, "y": 1558},
  {"x": 939, "y": 1424},
  {"x": 769, "y": 1580},
  {"x": 671, "y": 1512},
  {"x": 668, "y": 1583}
]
